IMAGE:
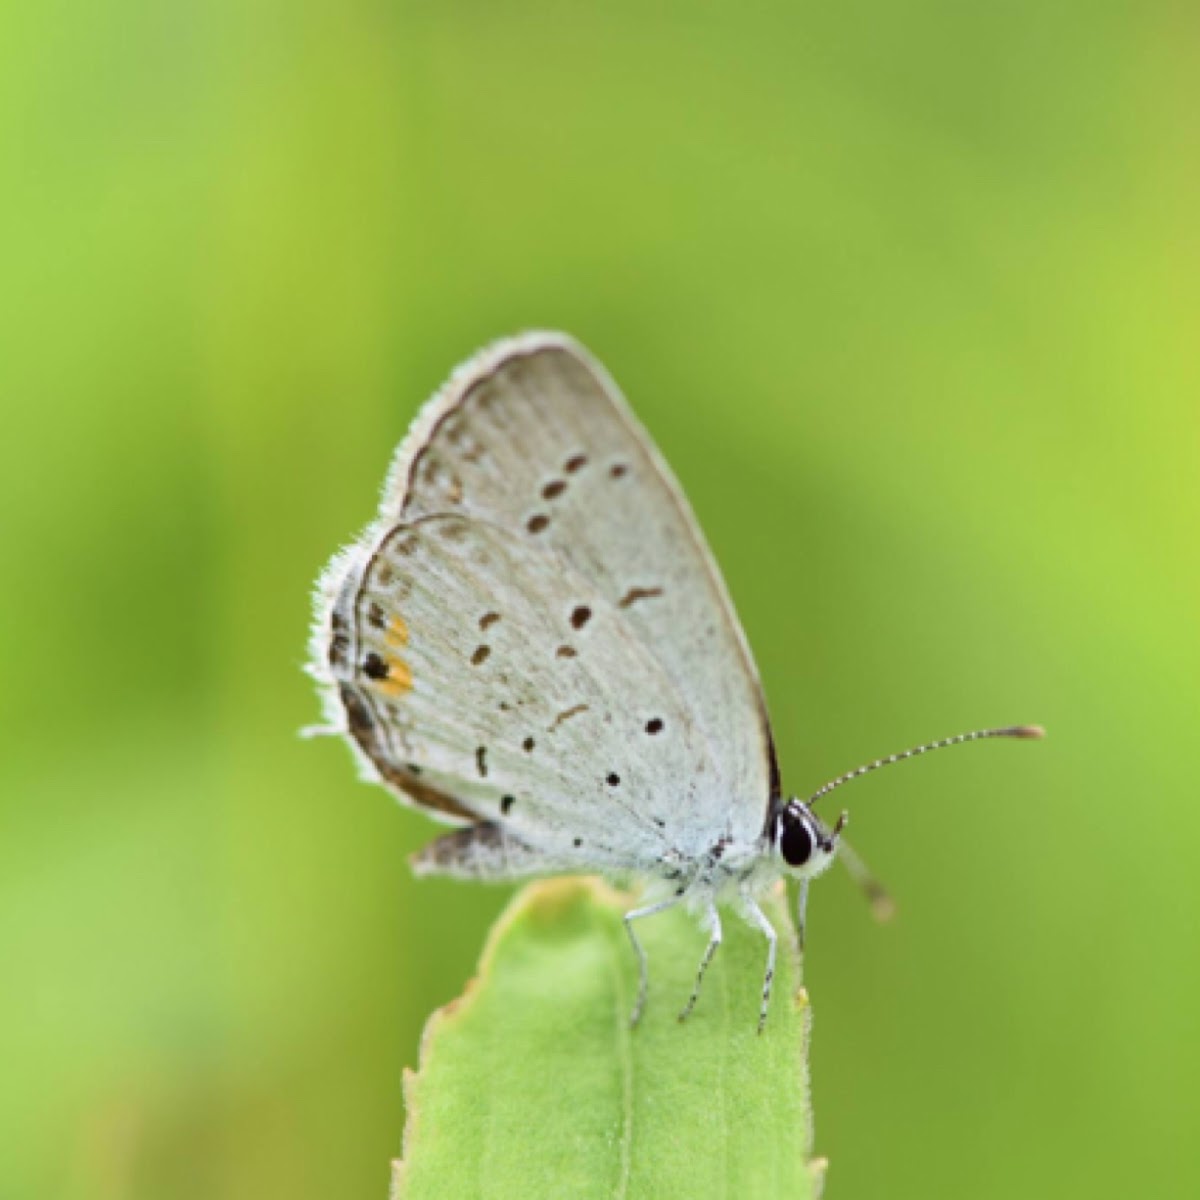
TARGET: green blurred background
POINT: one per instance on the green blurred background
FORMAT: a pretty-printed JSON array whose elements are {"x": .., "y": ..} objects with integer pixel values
[{"x": 908, "y": 295}]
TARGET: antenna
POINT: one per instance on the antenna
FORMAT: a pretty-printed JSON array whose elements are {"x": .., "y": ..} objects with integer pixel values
[{"x": 1030, "y": 732}]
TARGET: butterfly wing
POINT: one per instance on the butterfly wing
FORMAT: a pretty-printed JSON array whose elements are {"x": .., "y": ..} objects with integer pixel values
[
  {"x": 479, "y": 675},
  {"x": 529, "y": 520}
]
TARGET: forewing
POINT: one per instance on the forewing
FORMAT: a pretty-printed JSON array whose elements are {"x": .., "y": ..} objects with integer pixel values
[{"x": 533, "y": 436}]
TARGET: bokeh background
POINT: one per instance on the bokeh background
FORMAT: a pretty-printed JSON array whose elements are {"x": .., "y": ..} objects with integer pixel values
[{"x": 909, "y": 296}]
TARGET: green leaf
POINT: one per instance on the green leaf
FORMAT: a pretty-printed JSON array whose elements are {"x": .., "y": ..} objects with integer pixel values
[{"x": 533, "y": 1083}]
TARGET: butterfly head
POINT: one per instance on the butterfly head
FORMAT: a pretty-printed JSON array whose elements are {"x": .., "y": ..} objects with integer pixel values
[{"x": 804, "y": 844}]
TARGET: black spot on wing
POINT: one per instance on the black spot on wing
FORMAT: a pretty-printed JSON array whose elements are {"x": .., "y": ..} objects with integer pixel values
[
  {"x": 339, "y": 640},
  {"x": 634, "y": 594},
  {"x": 567, "y": 714},
  {"x": 339, "y": 649}
]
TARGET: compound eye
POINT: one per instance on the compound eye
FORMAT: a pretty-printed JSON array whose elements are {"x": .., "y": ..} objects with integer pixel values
[{"x": 795, "y": 841}]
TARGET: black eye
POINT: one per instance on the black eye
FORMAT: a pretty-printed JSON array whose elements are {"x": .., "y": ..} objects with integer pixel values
[{"x": 795, "y": 840}]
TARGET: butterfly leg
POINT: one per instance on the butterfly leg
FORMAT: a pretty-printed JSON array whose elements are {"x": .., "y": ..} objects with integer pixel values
[
  {"x": 801, "y": 916},
  {"x": 756, "y": 916},
  {"x": 714, "y": 942},
  {"x": 636, "y": 915}
]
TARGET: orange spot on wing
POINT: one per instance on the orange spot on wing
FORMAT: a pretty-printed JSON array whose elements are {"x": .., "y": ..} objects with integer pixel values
[
  {"x": 397, "y": 634},
  {"x": 399, "y": 678}
]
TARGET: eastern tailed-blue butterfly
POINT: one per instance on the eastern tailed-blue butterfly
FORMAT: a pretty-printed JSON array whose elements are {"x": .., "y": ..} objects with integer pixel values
[{"x": 533, "y": 643}]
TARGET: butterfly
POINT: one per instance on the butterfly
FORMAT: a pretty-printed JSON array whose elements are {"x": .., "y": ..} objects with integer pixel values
[{"x": 533, "y": 643}]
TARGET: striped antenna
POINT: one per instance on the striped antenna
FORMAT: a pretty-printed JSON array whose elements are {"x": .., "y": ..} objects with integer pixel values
[{"x": 1011, "y": 731}]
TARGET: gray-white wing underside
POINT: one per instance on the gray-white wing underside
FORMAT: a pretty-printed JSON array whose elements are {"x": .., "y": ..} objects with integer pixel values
[{"x": 534, "y": 632}]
